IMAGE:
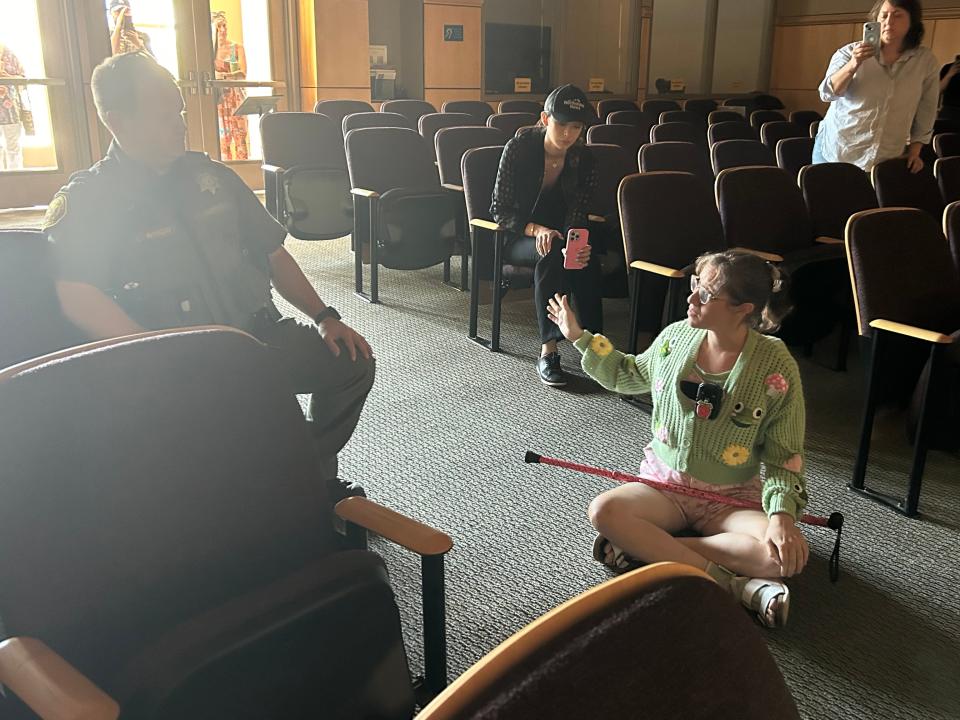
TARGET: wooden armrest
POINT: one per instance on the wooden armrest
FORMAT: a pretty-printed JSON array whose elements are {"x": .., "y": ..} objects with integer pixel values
[
  {"x": 49, "y": 685},
  {"x": 364, "y": 193},
  {"x": 451, "y": 186},
  {"x": 271, "y": 168},
  {"x": 415, "y": 536},
  {"x": 769, "y": 257},
  {"x": 486, "y": 225},
  {"x": 596, "y": 218},
  {"x": 657, "y": 269},
  {"x": 829, "y": 240},
  {"x": 911, "y": 331}
]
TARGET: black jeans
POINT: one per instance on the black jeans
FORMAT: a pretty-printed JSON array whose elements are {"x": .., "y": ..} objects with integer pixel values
[{"x": 550, "y": 277}]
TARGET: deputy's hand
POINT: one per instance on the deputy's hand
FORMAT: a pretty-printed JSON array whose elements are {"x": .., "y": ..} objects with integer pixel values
[
  {"x": 559, "y": 310},
  {"x": 332, "y": 330},
  {"x": 914, "y": 162},
  {"x": 861, "y": 53},
  {"x": 545, "y": 237},
  {"x": 786, "y": 544}
]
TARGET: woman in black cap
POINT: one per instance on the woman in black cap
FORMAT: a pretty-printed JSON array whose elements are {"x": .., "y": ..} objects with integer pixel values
[{"x": 546, "y": 180}]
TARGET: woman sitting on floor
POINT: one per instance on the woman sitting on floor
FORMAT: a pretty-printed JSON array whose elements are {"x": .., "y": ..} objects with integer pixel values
[{"x": 726, "y": 400}]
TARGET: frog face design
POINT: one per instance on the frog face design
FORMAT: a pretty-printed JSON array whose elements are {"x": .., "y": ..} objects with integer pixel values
[{"x": 743, "y": 417}]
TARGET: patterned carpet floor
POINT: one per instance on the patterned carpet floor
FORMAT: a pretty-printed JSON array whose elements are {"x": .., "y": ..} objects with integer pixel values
[{"x": 442, "y": 440}]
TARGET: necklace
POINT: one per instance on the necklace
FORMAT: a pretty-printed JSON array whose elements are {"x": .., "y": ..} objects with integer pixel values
[{"x": 555, "y": 163}]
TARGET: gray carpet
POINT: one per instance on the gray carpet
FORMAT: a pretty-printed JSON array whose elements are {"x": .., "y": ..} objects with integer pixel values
[{"x": 442, "y": 440}]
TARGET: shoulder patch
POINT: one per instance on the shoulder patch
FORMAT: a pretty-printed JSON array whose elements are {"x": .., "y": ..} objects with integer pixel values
[{"x": 56, "y": 211}]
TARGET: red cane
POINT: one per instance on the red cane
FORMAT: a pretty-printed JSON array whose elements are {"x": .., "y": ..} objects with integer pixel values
[{"x": 834, "y": 521}]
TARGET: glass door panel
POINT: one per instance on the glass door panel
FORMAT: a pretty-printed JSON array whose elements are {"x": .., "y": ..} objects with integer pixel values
[{"x": 242, "y": 34}]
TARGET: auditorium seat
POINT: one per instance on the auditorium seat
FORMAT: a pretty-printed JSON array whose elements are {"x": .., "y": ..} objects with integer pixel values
[
  {"x": 805, "y": 118},
  {"x": 762, "y": 210},
  {"x": 31, "y": 322},
  {"x": 832, "y": 193},
  {"x": 729, "y": 130},
  {"x": 413, "y": 110},
  {"x": 429, "y": 124},
  {"x": 614, "y": 163},
  {"x": 686, "y": 116},
  {"x": 629, "y": 137},
  {"x": 479, "y": 170},
  {"x": 510, "y": 122},
  {"x": 605, "y": 107},
  {"x": 946, "y": 144},
  {"x": 740, "y": 153},
  {"x": 773, "y": 132},
  {"x": 702, "y": 107},
  {"x": 677, "y": 157},
  {"x": 450, "y": 145},
  {"x": 337, "y": 110},
  {"x": 306, "y": 184},
  {"x": 614, "y": 652},
  {"x": 907, "y": 289},
  {"x": 814, "y": 128},
  {"x": 524, "y": 106},
  {"x": 951, "y": 228},
  {"x": 719, "y": 116},
  {"x": 375, "y": 120},
  {"x": 478, "y": 108},
  {"x": 175, "y": 556},
  {"x": 947, "y": 172},
  {"x": 669, "y": 219},
  {"x": 402, "y": 215},
  {"x": 654, "y": 107},
  {"x": 896, "y": 186},
  {"x": 794, "y": 153},
  {"x": 677, "y": 131},
  {"x": 759, "y": 117}
]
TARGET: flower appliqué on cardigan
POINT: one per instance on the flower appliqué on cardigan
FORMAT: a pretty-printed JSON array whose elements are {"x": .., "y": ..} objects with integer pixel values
[
  {"x": 735, "y": 455},
  {"x": 794, "y": 464},
  {"x": 665, "y": 348},
  {"x": 601, "y": 346}
]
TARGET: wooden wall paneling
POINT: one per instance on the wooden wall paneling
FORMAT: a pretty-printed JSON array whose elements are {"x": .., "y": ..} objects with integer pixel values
[
  {"x": 334, "y": 50},
  {"x": 646, "y": 23},
  {"x": 451, "y": 69},
  {"x": 945, "y": 39},
  {"x": 802, "y": 53}
]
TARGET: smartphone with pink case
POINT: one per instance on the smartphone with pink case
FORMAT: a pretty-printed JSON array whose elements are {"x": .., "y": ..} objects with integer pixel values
[{"x": 577, "y": 239}]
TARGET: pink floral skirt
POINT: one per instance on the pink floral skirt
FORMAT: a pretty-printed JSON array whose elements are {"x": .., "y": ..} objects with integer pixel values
[{"x": 696, "y": 513}]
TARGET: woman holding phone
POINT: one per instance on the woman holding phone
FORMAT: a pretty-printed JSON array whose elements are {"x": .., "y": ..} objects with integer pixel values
[
  {"x": 883, "y": 99},
  {"x": 545, "y": 181}
]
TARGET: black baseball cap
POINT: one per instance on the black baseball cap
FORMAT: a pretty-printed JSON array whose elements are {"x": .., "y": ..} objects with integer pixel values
[{"x": 568, "y": 103}]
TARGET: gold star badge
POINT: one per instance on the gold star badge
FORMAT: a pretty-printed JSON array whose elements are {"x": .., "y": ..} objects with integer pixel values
[{"x": 208, "y": 183}]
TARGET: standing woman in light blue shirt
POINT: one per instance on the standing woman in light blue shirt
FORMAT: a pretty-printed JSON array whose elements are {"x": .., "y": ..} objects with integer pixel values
[{"x": 882, "y": 100}]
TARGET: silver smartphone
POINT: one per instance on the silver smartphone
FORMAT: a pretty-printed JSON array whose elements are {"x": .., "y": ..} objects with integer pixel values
[{"x": 871, "y": 34}]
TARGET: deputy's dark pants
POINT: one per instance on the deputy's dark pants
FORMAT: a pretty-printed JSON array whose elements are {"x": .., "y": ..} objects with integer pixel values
[
  {"x": 550, "y": 277},
  {"x": 338, "y": 386}
]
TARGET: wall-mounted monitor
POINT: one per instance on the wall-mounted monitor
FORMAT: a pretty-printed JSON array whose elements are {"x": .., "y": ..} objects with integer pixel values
[{"x": 512, "y": 51}]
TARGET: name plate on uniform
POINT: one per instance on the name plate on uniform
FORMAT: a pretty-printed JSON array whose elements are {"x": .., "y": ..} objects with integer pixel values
[
  {"x": 521, "y": 85},
  {"x": 596, "y": 85}
]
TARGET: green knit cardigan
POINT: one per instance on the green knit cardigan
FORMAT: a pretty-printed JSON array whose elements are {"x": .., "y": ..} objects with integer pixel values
[{"x": 761, "y": 418}]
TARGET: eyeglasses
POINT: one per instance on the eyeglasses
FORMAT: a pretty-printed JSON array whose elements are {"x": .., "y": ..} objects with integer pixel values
[{"x": 703, "y": 294}]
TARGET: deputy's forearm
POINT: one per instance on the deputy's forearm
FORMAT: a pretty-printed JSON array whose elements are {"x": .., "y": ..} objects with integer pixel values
[
  {"x": 95, "y": 314},
  {"x": 293, "y": 285}
]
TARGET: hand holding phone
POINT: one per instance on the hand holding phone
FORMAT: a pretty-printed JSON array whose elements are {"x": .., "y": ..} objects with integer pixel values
[
  {"x": 577, "y": 240},
  {"x": 871, "y": 35}
]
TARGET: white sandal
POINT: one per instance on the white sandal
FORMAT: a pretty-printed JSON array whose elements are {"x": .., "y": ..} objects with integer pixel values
[{"x": 759, "y": 593}]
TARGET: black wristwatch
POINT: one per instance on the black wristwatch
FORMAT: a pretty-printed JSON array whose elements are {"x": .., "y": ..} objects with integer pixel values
[{"x": 328, "y": 312}]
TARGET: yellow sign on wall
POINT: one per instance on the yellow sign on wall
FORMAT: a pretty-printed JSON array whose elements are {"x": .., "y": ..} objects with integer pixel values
[
  {"x": 521, "y": 85},
  {"x": 596, "y": 85}
]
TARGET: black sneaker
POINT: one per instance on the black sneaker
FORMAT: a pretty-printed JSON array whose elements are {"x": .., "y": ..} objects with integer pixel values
[{"x": 548, "y": 367}]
